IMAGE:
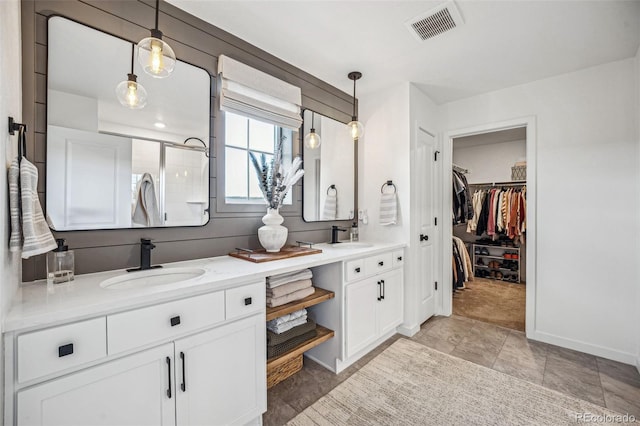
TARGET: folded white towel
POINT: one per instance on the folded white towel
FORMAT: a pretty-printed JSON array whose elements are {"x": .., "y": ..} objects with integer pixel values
[
  {"x": 388, "y": 209},
  {"x": 279, "y": 329},
  {"x": 288, "y": 317},
  {"x": 277, "y": 280},
  {"x": 146, "y": 211},
  {"x": 37, "y": 237},
  {"x": 330, "y": 205}
]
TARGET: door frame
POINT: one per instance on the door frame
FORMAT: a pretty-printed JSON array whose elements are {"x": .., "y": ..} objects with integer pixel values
[{"x": 529, "y": 122}]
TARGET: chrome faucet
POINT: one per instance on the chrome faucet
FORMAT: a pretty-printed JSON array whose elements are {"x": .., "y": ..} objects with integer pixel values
[
  {"x": 145, "y": 256},
  {"x": 334, "y": 233}
]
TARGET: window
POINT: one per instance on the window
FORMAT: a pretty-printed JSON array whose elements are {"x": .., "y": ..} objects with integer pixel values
[{"x": 242, "y": 136}]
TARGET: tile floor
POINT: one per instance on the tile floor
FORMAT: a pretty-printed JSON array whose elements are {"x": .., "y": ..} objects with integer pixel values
[{"x": 603, "y": 382}]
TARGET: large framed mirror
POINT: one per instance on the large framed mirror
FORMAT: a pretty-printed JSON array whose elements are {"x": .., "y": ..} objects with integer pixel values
[
  {"x": 329, "y": 171},
  {"x": 109, "y": 166}
]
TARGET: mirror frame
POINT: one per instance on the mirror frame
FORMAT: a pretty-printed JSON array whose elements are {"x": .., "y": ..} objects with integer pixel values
[
  {"x": 355, "y": 173},
  {"x": 208, "y": 151}
]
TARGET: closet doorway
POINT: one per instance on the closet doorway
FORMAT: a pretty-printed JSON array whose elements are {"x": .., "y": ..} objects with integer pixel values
[{"x": 489, "y": 227}]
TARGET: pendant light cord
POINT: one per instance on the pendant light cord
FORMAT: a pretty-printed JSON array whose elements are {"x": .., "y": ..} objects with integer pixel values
[
  {"x": 312, "y": 117},
  {"x": 157, "y": 12},
  {"x": 354, "y": 98},
  {"x": 133, "y": 54}
]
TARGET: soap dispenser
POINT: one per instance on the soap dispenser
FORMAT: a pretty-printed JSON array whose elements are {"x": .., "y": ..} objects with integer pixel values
[
  {"x": 354, "y": 232},
  {"x": 60, "y": 264}
]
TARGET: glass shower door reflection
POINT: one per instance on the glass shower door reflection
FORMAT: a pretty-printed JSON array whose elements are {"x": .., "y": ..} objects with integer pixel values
[{"x": 186, "y": 186}]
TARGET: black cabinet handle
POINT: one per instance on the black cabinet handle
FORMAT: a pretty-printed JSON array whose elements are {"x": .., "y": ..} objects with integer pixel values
[
  {"x": 358, "y": 270},
  {"x": 183, "y": 386},
  {"x": 247, "y": 301},
  {"x": 424, "y": 237},
  {"x": 383, "y": 290},
  {"x": 169, "y": 376},
  {"x": 175, "y": 321},
  {"x": 380, "y": 263},
  {"x": 399, "y": 258},
  {"x": 65, "y": 350},
  {"x": 379, "y": 291}
]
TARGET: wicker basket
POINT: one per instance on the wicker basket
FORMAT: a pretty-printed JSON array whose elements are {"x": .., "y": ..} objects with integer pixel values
[
  {"x": 281, "y": 371},
  {"x": 519, "y": 173}
]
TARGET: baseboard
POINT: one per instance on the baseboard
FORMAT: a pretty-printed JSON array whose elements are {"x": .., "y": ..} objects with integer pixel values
[
  {"x": 576, "y": 345},
  {"x": 408, "y": 330},
  {"x": 638, "y": 364}
]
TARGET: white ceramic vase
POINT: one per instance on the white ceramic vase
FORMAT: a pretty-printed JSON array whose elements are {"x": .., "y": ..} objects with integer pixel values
[{"x": 272, "y": 235}]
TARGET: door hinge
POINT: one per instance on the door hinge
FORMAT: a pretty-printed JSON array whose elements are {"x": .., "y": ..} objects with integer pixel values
[
  {"x": 435, "y": 155},
  {"x": 435, "y": 221},
  {"x": 436, "y": 285}
]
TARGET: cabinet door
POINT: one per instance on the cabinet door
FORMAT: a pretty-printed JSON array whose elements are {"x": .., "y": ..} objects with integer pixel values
[
  {"x": 360, "y": 312},
  {"x": 390, "y": 308},
  {"x": 221, "y": 374},
  {"x": 130, "y": 391}
]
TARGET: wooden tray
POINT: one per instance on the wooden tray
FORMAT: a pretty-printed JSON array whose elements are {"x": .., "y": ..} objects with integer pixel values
[{"x": 261, "y": 255}]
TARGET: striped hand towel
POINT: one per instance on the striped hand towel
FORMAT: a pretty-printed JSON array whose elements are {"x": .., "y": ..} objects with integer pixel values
[
  {"x": 15, "y": 241},
  {"x": 37, "y": 237},
  {"x": 330, "y": 206},
  {"x": 388, "y": 209}
]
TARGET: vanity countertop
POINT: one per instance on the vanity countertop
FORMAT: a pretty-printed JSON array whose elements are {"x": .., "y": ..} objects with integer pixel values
[{"x": 38, "y": 305}]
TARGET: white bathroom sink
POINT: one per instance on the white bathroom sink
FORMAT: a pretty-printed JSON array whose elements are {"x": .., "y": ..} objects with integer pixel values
[
  {"x": 351, "y": 245},
  {"x": 151, "y": 277}
]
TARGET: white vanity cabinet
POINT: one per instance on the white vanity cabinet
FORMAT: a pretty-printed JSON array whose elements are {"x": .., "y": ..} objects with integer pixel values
[{"x": 194, "y": 361}]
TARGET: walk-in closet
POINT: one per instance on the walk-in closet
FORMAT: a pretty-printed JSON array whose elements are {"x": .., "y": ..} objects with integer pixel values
[{"x": 489, "y": 220}]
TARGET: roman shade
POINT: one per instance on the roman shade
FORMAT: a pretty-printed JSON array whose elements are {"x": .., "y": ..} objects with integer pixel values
[{"x": 255, "y": 94}]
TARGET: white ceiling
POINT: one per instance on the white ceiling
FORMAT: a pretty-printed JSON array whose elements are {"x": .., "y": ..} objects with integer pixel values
[{"x": 501, "y": 43}]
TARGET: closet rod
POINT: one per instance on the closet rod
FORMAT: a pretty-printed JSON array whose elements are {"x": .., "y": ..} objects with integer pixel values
[
  {"x": 508, "y": 183},
  {"x": 460, "y": 169}
]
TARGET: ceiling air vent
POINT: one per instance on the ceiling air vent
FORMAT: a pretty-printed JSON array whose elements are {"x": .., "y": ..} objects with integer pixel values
[{"x": 435, "y": 21}]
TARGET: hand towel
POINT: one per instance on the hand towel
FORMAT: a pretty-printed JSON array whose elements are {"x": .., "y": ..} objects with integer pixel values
[
  {"x": 37, "y": 237},
  {"x": 330, "y": 206},
  {"x": 277, "y": 280},
  {"x": 297, "y": 295},
  {"x": 273, "y": 351},
  {"x": 288, "y": 288},
  {"x": 275, "y": 339},
  {"x": 15, "y": 241},
  {"x": 146, "y": 211},
  {"x": 281, "y": 328},
  {"x": 388, "y": 209},
  {"x": 288, "y": 317}
]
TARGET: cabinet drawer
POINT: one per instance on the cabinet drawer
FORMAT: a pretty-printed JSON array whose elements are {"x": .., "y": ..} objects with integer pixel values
[
  {"x": 379, "y": 263},
  {"x": 245, "y": 300},
  {"x": 398, "y": 258},
  {"x": 133, "y": 329},
  {"x": 55, "y": 349},
  {"x": 354, "y": 270}
]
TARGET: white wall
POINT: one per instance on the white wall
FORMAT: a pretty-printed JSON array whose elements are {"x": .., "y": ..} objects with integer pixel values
[
  {"x": 383, "y": 154},
  {"x": 490, "y": 162},
  {"x": 587, "y": 206},
  {"x": 10, "y": 105}
]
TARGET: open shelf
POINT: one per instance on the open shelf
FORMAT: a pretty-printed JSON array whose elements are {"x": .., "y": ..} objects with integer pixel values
[
  {"x": 320, "y": 295},
  {"x": 323, "y": 335}
]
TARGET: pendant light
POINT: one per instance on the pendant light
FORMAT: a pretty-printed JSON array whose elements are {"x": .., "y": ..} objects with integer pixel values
[
  {"x": 156, "y": 56},
  {"x": 356, "y": 129},
  {"x": 312, "y": 139},
  {"x": 130, "y": 93}
]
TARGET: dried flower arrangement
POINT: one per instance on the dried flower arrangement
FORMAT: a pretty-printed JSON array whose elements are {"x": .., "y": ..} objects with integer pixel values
[{"x": 274, "y": 182}]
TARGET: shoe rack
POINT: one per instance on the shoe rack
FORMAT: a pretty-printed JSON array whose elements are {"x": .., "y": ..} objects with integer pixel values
[{"x": 497, "y": 262}]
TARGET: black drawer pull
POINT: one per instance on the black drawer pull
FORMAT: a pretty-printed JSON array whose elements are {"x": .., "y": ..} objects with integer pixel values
[
  {"x": 399, "y": 258},
  {"x": 379, "y": 291},
  {"x": 65, "y": 350},
  {"x": 380, "y": 263},
  {"x": 183, "y": 385},
  {"x": 247, "y": 301},
  {"x": 358, "y": 270},
  {"x": 382, "y": 291},
  {"x": 169, "y": 377},
  {"x": 175, "y": 321}
]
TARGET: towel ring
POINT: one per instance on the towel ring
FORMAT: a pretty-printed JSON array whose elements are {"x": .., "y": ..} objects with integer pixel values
[
  {"x": 388, "y": 183},
  {"x": 206, "y": 150},
  {"x": 334, "y": 189}
]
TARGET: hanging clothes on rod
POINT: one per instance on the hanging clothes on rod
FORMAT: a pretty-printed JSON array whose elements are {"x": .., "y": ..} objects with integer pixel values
[
  {"x": 462, "y": 205},
  {"x": 500, "y": 211}
]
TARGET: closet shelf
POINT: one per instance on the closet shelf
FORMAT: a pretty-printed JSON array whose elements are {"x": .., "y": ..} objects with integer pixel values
[
  {"x": 494, "y": 257},
  {"x": 496, "y": 269},
  {"x": 320, "y": 295}
]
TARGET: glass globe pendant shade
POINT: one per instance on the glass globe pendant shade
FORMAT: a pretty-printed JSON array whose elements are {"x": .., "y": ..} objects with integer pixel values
[
  {"x": 356, "y": 129},
  {"x": 155, "y": 56},
  {"x": 131, "y": 94},
  {"x": 312, "y": 140}
]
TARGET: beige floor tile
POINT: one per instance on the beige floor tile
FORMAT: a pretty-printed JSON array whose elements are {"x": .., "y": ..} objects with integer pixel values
[
  {"x": 522, "y": 358},
  {"x": 482, "y": 344},
  {"x": 572, "y": 378},
  {"x": 278, "y": 412},
  {"x": 621, "y": 386}
]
